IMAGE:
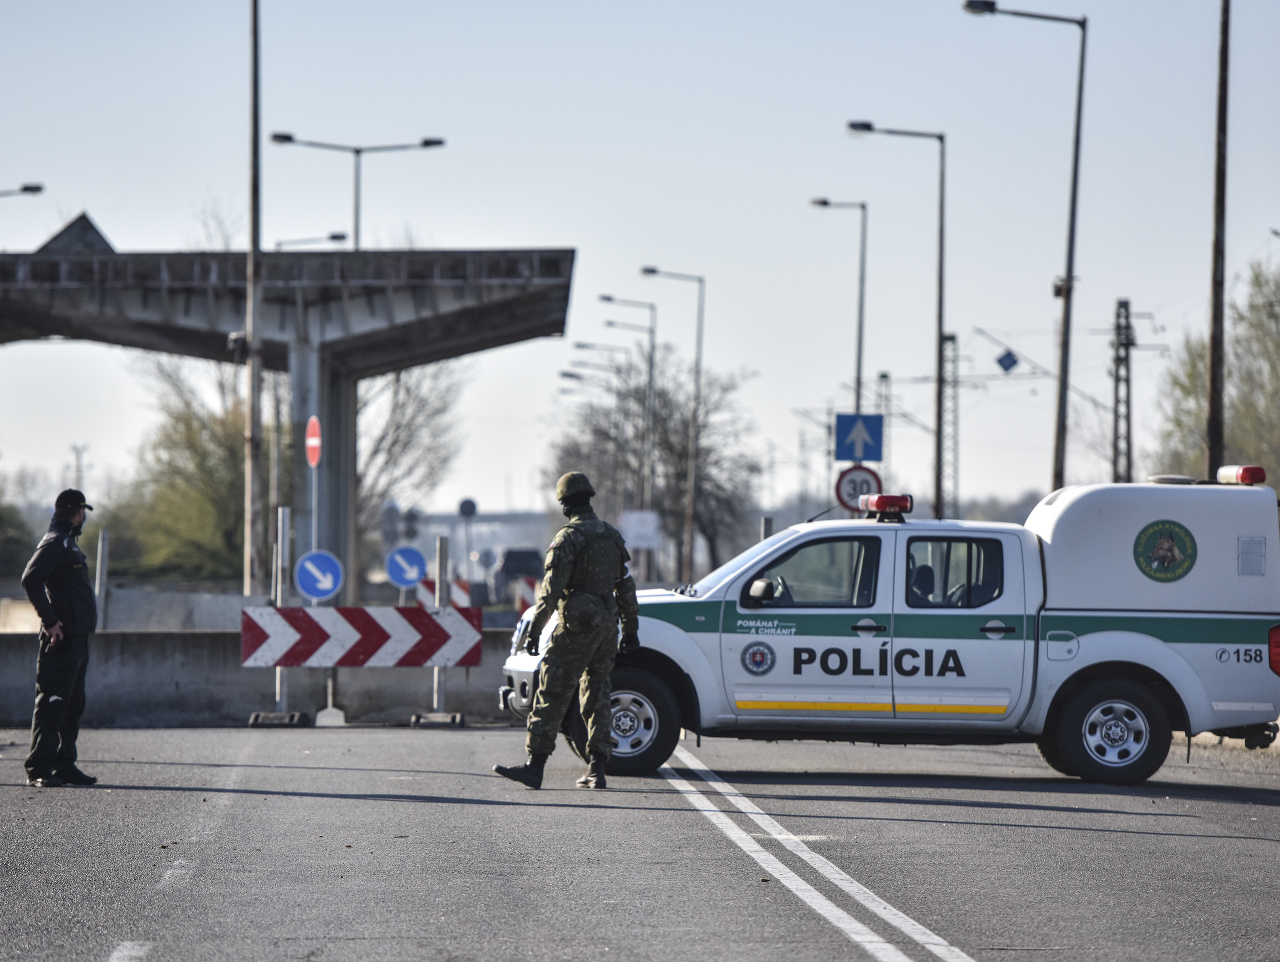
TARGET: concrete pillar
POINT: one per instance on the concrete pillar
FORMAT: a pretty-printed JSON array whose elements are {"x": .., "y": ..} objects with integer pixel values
[{"x": 322, "y": 388}]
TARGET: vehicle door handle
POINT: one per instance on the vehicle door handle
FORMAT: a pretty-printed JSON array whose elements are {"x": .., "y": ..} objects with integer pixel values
[
  {"x": 868, "y": 628},
  {"x": 996, "y": 629}
]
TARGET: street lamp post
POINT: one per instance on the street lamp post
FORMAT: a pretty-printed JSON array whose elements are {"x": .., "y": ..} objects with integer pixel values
[
  {"x": 650, "y": 400},
  {"x": 356, "y": 153},
  {"x": 336, "y": 237},
  {"x": 862, "y": 286},
  {"x": 686, "y": 573},
  {"x": 866, "y": 127},
  {"x": 649, "y": 393},
  {"x": 1066, "y": 287},
  {"x": 254, "y": 522},
  {"x": 24, "y": 189}
]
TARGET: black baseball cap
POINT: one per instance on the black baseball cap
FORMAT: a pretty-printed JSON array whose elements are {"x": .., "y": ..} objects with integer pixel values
[{"x": 71, "y": 500}]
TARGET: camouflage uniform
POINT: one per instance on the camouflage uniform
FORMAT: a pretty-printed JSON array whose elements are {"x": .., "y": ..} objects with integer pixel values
[{"x": 588, "y": 585}]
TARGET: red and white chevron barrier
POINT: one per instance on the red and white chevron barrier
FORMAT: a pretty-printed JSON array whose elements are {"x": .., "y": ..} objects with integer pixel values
[
  {"x": 526, "y": 590},
  {"x": 359, "y": 637},
  {"x": 459, "y": 593}
]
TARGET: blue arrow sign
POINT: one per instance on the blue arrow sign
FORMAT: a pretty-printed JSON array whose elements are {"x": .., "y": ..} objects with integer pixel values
[
  {"x": 859, "y": 437},
  {"x": 318, "y": 575},
  {"x": 406, "y": 566}
]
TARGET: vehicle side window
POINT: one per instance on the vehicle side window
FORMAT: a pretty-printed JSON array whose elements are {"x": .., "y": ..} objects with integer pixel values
[
  {"x": 838, "y": 572},
  {"x": 954, "y": 572}
]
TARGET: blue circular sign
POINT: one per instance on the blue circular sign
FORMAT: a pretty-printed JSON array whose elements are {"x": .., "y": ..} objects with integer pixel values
[
  {"x": 406, "y": 566},
  {"x": 318, "y": 575}
]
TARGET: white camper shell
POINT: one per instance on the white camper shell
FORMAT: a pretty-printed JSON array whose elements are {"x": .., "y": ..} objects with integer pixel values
[{"x": 1088, "y": 534}]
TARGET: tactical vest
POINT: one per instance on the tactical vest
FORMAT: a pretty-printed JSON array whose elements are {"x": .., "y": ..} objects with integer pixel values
[{"x": 597, "y": 566}]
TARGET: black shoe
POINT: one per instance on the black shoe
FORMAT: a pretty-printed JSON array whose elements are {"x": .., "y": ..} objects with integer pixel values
[
  {"x": 594, "y": 778},
  {"x": 46, "y": 781},
  {"x": 73, "y": 776},
  {"x": 530, "y": 773}
]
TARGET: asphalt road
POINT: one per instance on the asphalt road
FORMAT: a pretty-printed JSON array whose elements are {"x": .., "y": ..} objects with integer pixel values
[{"x": 377, "y": 844}]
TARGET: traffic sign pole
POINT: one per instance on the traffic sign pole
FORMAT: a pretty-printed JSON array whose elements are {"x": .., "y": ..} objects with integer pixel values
[
  {"x": 283, "y": 526},
  {"x": 312, "y": 447}
]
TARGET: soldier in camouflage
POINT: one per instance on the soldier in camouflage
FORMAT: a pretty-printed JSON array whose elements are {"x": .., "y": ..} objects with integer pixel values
[{"x": 588, "y": 586}]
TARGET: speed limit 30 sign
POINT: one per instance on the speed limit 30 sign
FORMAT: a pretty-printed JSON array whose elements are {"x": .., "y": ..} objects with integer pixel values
[{"x": 856, "y": 481}]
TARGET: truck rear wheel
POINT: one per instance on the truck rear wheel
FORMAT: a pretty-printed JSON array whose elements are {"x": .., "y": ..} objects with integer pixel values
[
  {"x": 646, "y": 723},
  {"x": 1114, "y": 731}
]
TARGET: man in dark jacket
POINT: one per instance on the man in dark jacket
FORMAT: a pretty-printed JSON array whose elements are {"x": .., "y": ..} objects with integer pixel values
[{"x": 57, "y": 583}]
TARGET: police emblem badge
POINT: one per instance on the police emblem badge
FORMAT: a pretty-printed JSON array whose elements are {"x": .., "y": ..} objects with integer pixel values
[
  {"x": 1165, "y": 551},
  {"x": 758, "y": 658}
]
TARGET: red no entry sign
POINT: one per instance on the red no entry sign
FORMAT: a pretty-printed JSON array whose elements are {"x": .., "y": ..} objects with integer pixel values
[{"x": 313, "y": 441}]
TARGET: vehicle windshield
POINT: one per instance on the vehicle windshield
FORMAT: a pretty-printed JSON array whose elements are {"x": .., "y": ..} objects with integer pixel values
[{"x": 731, "y": 567}]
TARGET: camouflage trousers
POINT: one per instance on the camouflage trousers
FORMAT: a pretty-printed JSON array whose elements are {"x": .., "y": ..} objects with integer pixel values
[{"x": 581, "y": 662}]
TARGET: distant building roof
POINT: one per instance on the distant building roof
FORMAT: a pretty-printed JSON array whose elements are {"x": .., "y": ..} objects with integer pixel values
[{"x": 80, "y": 236}]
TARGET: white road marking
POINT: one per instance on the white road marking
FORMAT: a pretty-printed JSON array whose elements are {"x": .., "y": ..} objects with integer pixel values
[
  {"x": 130, "y": 952},
  {"x": 857, "y": 932},
  {"x": 175, "y": 873},
  {"x": 867, "y": 898}
]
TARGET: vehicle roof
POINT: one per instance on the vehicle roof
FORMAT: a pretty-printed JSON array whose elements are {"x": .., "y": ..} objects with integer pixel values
[
  {"x": 907, "y": 524},
  {"x": 1091, "y": 533}
]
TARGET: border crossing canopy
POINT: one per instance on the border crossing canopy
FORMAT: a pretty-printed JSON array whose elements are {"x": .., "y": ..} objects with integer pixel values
[{"x": 328, "y": 319}]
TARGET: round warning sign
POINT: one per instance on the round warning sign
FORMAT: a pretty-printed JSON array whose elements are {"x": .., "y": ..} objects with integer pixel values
[
  {"x": 1165, "y": 551},
  {"x": 856, "y": 481}
]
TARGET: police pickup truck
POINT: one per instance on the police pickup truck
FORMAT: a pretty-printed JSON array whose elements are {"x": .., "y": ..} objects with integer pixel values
[{"x": 1116, "y": 615}]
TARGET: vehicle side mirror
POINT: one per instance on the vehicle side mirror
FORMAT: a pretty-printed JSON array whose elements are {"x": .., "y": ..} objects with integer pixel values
[{"x": 761, "y": 590}]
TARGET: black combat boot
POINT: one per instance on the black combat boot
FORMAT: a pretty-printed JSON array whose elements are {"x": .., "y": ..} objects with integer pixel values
[
  {"x": 530, "y": 773},
  {"x": 595, "y": 773},
  {"x": 73, "y": 776}
]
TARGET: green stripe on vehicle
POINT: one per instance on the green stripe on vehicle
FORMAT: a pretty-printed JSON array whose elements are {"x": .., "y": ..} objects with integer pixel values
[
  {"x": 782, "y": 621},
  {"x": 951, "y": 625},
  {"x": 1173, "y": 629},
  {"x": 686, "y": 615}
]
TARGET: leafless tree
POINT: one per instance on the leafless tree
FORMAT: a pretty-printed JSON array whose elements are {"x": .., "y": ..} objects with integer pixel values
[
  {"x": 605, "y": 438},
  {"x": 219, "y": 228},
  {"x": 407, "y": 437}
]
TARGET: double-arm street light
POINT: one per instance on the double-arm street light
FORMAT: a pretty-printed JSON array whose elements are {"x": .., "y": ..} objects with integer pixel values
[
  {"x": 686, "y": 567},
  {"x": 24, "y": 189},
  {"x": 1066, "y": 287},
  {"x": 866, "y": 127},
  {"x": 356, "y": 153},
  {"x": 336, "y": 237},
  {"x": 862, "y": 286}
]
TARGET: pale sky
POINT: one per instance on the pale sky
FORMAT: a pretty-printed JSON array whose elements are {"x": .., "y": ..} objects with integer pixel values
[{"x": 690, "y": 136}]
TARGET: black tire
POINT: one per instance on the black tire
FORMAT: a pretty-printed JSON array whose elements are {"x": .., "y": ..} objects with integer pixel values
[
  {"x": 649, "y": 718},
  {"x": 1047, "y": 746},
  {"x": 1114, "y": 731}
]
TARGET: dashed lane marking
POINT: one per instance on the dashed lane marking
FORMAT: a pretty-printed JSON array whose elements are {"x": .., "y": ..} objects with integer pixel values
[
  {"x": 865, "y": 897},
  {"x": 130, "y": 952},
  {"x": 858, "y": 933}
]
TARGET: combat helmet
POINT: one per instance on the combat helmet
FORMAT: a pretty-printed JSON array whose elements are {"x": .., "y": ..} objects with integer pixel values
[{"x": 575, "y": 482}]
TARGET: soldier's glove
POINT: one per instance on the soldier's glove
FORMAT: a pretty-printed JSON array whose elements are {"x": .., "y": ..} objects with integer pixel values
[
  {"x": 629, "y": 642},
  {"x": 530, "y": 640}
]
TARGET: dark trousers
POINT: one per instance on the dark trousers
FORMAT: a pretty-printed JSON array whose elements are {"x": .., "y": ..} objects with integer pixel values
[
  {"x": 577, "y": 662},
  {"x": 55, "y": 724}
]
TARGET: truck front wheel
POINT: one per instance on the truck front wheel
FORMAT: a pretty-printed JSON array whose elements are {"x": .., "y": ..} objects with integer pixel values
[
  {"x": 646, "y": 723},
  {"x": 1114, "y": 731}
]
